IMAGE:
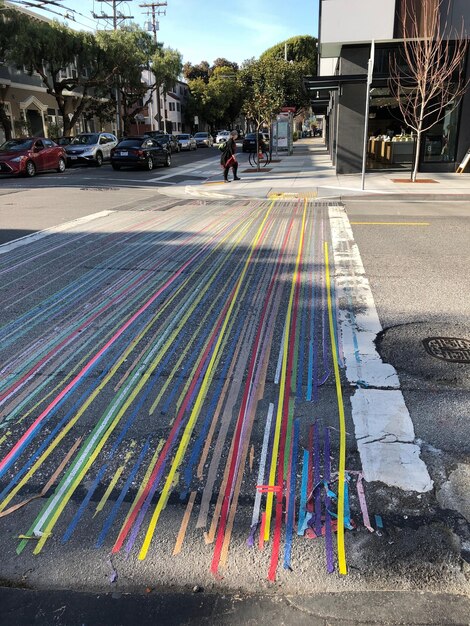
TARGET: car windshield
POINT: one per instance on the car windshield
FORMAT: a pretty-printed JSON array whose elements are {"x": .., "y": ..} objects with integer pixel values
[
  {"x": 85, "y": 140},
  {"x": 183, "y": 136},
  {"x": 17, "y": 144},
  {"x": 204, "y": 135},
  {"x": 130, "y": 143}
]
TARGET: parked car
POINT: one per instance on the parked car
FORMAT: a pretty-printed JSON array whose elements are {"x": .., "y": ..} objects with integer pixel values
[
  {"x": 187, "y": 142},
  {"x": 222, "y": 135},
  {"x": 63, "y": 141},
  {"x": 155, "y": 134},
  {"x": 31, "y": 155},
  {"x": 90, "y": 148},
  {"x": 249, "y": 143},
  {"x": 204, "y": 140},
  {"x": 140, "y": 151},
  {"x": 170, "y": 141}
]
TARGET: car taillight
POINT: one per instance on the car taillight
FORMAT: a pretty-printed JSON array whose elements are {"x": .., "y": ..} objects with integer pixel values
[{"x": 113, "y": 150}]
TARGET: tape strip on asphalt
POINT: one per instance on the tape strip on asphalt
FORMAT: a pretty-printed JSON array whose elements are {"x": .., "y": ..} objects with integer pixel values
[
  {"x": 384, "y": 430},
  {"x": 27, "y": 239}
]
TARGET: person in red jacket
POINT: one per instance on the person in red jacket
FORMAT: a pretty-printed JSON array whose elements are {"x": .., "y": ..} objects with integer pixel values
[{"x": 228, "y": 159}]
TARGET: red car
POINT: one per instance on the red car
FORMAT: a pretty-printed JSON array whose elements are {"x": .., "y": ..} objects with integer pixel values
[{"x": 31, "y": 155}]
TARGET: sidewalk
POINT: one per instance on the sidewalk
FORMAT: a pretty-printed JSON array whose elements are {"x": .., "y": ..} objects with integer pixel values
[{"x": 309, "y": 172}]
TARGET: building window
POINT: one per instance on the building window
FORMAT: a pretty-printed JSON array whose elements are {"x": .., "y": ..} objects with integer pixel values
[
  {"x": 441, "y": 140},
  {"x": 178, "y": 108},
  {"x": 179, "y": 127},
  {"x": 171, "y": 106}
]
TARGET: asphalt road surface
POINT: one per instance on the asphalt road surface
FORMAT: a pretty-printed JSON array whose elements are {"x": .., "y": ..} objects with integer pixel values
[{"x": 235, "y": 395}]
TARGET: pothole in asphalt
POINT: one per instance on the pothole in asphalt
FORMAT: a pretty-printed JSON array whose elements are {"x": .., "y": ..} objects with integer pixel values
[{"x": 433, "y": 352}]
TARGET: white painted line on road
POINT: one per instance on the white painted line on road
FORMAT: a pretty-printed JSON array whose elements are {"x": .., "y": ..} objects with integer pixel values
[
  {"x": 27, "y": 239},
  {"x": 384, "y": 430},
  {"x": 186, "y": 169},
  {"x": 129, "y": 180}
]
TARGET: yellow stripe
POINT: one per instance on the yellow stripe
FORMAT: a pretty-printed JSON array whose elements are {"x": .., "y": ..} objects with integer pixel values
[
  {"x": 102, "y": 442},
  {"x": 185, "y": 439},
  {"x": 144, "y": 482},
  {"x": 282, "y": 386},
  {"x": 342, "y": 425},
  {"x": 390, "y": 223},
  {"x": 5, "y": 436},
  {"x": 113, "y": 482},
  {"x": 104, "y": 382},
  {"x": 189, "y": 345}
]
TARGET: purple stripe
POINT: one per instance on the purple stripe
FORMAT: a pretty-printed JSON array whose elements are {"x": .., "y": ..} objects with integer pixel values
[
  {"x": 316, "y": 478},
  {"x": 328, "y": 534}
]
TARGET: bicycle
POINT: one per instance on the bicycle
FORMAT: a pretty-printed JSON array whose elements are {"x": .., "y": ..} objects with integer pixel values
[{"x": 263, "y": 157}]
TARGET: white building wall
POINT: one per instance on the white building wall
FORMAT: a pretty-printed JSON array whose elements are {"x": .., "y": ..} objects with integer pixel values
[{"x": 355, "y": 21}]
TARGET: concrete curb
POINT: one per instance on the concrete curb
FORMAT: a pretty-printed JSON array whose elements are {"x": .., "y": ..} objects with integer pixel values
[{"x": 23, "y": 607}]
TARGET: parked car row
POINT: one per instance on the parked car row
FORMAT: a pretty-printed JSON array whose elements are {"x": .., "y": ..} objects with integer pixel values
[{"x": 27, "y": 156}]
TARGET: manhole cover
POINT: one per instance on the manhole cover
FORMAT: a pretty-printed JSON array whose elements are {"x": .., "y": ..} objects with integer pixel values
[{"x": 450, "y": 349}]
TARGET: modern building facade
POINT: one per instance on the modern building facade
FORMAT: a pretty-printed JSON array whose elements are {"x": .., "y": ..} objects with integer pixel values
[{"x": 347, "y": 29}]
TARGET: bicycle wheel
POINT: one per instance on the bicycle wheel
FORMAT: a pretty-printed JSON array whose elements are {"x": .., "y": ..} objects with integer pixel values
[
  {"x": 264, "y": 159},
  {"x": 252, "y": 159}
]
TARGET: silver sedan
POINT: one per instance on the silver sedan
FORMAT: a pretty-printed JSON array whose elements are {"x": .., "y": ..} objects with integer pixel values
[{"x": 187, "y": 142}]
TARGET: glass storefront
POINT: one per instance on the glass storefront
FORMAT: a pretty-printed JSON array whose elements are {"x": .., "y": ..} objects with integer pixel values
[{"x": 441, "y": 140}]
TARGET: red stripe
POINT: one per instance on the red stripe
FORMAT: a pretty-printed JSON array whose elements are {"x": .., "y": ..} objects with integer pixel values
[
  {"x": 285, "y": 420},
  {"x": 240, "y": 419}
]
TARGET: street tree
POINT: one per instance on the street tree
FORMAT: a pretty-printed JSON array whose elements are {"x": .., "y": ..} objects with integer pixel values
[
  {"x": 301, "y": 49},
  {"x": 223, "y": 62},
  {"x": 427, "y": 75},
  {"x": 218, "y": 99},
  {"x": 69, "y": 63},
  {"x": 127, "y": 51},
  {"x": 192, "y": 72},
  {"x": 263, "y": 82},
  {"x": 300, "y": 53},
  {"x": 166, "y": 65}
]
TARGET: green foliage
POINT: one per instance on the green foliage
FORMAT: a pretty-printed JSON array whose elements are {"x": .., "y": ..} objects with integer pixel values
[
  {"x": 166, "y": 65},
  {"x": 263, "y": 83},
  {"x": 301, "y": 49},
  {"x": 103, "y": 62},
  {"x": 219, "y": 99},
  {"x": 222, "y": 62},
  {"x": 301, "y": 60},
  {"x": 56, "y": 48},
  {"x": 193, "y": 72}
]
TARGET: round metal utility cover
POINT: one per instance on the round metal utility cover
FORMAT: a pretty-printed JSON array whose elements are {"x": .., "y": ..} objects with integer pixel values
[{"x": 434, "y": 352}]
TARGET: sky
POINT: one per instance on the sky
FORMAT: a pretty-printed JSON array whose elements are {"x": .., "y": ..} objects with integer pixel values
[{"x": 208, "y": 29}]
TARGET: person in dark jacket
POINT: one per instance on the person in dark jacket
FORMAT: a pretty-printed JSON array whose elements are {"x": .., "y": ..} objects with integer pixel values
[{"x": 228, "y": 159}]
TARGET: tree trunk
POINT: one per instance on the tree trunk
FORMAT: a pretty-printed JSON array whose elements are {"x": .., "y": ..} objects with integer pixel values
[
  {"x": 419, "y": 132},
  {"x": 257, "y": 148}
]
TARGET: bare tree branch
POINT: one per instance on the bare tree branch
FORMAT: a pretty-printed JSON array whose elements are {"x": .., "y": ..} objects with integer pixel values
[{"x": 433, "y": 80}]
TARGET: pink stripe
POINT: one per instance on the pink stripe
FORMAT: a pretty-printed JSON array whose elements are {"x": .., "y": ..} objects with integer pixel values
[{"x": 85, "y": 369}]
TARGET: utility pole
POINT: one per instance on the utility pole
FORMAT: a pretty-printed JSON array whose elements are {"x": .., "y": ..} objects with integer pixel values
[
  {"x": 117, "y": 18},
  {"x": 154, "y": 11}
]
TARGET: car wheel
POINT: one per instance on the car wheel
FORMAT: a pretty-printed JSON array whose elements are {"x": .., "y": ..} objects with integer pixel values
[
  {"x": 149, "y": 164},
  {"x": 99, "y": 159},
  {"x": 167, "y": 160},
  {"x": 115, "y": 166},
  {"x": 61, "y": 165},
  {"x": 30, "y": 169}
]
